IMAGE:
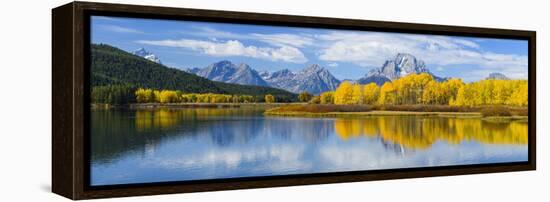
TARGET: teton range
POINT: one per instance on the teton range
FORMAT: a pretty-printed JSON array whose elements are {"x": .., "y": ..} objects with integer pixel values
[{"x": 313, "y": 78}]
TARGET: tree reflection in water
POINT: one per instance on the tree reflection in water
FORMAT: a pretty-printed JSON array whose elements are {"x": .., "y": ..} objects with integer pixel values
[
  {"x": 183, "y": 144},
  {"x": 421, "y": 132}
]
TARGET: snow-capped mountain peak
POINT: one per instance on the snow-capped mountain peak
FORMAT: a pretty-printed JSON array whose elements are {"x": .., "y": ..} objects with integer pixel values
[
  {"x": 147, "y": 55},
  {"x": 313, "y": 79},
  {"x": 264, "y": 74},
  {"x": 401, "y": 65},
  {"x": 225, "y": 71}
]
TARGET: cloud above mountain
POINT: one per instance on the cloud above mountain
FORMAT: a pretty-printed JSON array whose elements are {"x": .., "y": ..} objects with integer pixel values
[
  {"x": 120, "y": 29},
  {"x": 234, "y": 48},
  {"x": 368, "y": 49},
  {"x": 365, "y": 49},
  {"x": 348, "y": 53}
]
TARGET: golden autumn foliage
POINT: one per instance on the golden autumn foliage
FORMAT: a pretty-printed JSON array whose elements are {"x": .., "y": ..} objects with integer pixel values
[
  {"x": 269, "y": 98},
  {"x": 315, "y": 100},
  {"x": 171, "y": 96},
  {"x": 327, "y": 97},
  {"x": 348, "y": 93},
  {"x": 388, "y": 94},
  {"x": 424, "y": 89},
  {"x": 344, "y": 93},
  {"x": 493, "y": 92},
  {"x": 357, "y": 94},
  {"x": 144, "y": 95},
  {"x": 168, "y": 96},
  {"x": 371, "y": 92},
  {"x": 409, "y": 89}
]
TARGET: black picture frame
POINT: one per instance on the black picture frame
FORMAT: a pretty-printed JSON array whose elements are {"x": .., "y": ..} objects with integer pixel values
[{"x": 70, "y": 100}]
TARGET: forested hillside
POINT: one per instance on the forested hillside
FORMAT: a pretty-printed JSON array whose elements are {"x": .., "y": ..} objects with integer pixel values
[{"x": 112, "y": 68}]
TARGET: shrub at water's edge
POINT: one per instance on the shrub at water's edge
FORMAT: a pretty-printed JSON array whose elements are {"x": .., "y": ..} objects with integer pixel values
[{"x": 495, "y": 111}]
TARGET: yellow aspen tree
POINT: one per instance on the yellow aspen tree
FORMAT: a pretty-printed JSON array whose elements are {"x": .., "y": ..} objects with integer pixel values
[
  {"x": 357, "y": 95},
  {"x": 269, "y": 98},
  {"x": 402, "y": 89},
  {"x": 520, "y": 95},
  {"x": 503, "y": 89},
  {"x": 327, "y": 97},
  {"x": 156, "y": 95},
  {"x": 387, "y": 94},
  {"x": 144, "y": 95},
  {"x": 167, "y": 96},
  {"x": 371, "y": 92},
  {"x": 420, "y": 82},
  {"x": 485, "y": 91},
  {"x": 344, "y": 93},
  {"x": 450, "y": 88},
  {"x": 430, "y": 93}
]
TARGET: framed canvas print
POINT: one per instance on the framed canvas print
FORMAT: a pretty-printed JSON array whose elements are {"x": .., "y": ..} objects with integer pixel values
[{"x": 155, "y": 100}]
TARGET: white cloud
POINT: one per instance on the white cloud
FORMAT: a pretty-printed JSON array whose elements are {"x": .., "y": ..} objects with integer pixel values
[
  {"x": 284, "y": 39},
  {"x": 362, "y": 49},
  {"x": 119, "y": 29},
  {"x": 279, "y": 39},
  {"x": 367, "y": 49},
  {"x": 333, "y": 64},
  {"x": 204, "y": 31},
  {"x": 234, "y": 48},
  {"x": 372, "y": 49},
  {"x": 467, "y": 43}
]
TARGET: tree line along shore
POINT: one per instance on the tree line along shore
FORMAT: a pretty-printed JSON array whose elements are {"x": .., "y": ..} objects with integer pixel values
[{"x": 415, "y": 92}]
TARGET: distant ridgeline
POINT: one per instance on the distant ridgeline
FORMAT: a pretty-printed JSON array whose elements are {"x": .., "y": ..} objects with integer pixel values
[{"x": 116, "y": 75}]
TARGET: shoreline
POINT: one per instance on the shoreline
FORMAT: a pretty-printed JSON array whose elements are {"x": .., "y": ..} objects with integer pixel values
[
  {"x": 183, "y": 105},
  {"x": 396, "y": 113},
  {"x": 376, "y": 113},
  {"x": 269, "y": 112}
]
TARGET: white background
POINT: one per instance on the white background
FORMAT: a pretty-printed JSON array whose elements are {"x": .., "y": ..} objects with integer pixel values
[{"x": 25, "y": 100}]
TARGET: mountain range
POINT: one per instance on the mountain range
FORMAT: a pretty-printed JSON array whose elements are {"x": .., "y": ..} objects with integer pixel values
[
  {"x": 227, "y": 72},
  {"x": 113, "y": 66},
  {"x": 313, "y": 78}
]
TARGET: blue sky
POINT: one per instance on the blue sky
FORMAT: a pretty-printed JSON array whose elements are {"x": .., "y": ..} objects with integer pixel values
[{"x": 346, "y": 54}]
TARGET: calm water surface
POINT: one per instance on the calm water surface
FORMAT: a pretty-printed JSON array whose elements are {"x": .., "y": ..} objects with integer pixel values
[{"x": 140, "y": 146}]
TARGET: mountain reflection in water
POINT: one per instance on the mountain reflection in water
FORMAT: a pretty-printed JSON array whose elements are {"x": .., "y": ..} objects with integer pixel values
[{"x": 136, "y": 146}]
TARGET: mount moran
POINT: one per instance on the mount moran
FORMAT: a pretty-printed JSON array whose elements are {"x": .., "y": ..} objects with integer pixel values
[{"x": 313, "y": 78}]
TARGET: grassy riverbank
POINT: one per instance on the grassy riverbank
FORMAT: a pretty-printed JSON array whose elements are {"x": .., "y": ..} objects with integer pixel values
[
  {"x": 493, "y": 113},
  {"x": 489, "y": 113},
  {"x": 184, "y": 105}
]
